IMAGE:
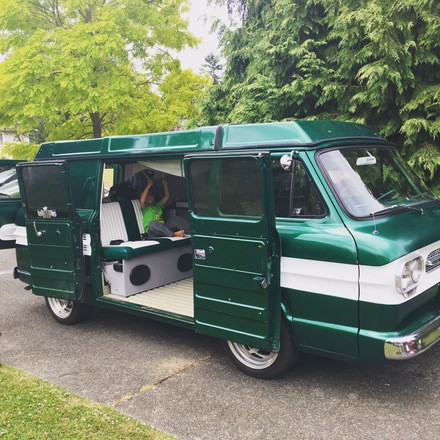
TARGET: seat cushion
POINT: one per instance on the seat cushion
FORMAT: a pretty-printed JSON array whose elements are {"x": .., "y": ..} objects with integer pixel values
[{"x": 132, "y": 249}]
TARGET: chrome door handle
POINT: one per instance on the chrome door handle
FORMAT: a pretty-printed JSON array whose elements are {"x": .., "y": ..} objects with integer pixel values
[
  {"x": 38, "y": 233},
  {"x": 262, "y": 282}
]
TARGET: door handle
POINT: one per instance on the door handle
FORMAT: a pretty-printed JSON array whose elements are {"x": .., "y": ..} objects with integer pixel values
[
  {"x": 261, "y": 281},
  {"x": 38, "y": 233}
]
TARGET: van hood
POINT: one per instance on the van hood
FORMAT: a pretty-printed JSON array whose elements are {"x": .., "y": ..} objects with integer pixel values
[{"x": 384, "y": 240}]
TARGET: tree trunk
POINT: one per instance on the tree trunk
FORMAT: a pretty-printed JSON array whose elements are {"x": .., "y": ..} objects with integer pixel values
[{"x": 96, "y": 123}]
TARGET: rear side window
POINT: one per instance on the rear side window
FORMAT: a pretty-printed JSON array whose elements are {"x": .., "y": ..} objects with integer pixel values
[
  {"x": 44, "y": 188},
  {"x": 295, "y": 193}
]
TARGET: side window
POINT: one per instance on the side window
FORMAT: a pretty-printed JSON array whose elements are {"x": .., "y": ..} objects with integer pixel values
[
  {"x": 299, "y": 198},
  {"x": 240, "y": 189},
  {"x": 200, "y": 173},
  {"x": 236, "y": 193},
  {"x": 306, "y": 201},
  {"x": 44, "y": 188}
]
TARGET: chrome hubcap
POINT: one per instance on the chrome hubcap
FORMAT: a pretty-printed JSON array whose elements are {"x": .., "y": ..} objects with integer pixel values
[
  {"x": 254, "y": 358},
  {"x": 61, "y": 307}
]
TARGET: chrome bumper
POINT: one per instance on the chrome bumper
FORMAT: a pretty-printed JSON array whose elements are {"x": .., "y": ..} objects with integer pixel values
[{"x": 406, "y": 347}]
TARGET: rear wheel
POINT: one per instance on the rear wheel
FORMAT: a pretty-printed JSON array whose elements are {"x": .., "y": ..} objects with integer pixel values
[
  {"x": 66, "y": 311},
  {"x": 264, "y": 364}
]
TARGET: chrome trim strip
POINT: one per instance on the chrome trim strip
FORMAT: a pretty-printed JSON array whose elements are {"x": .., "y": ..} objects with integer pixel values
[{"x": 406, "y": 347}]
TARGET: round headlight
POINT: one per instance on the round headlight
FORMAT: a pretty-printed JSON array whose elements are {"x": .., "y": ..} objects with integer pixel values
[
  {"x": 416, "y": 269},
  {"x": 408, "y": 275}
]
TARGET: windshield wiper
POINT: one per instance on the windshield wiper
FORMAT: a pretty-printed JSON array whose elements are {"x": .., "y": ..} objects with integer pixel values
[
  {"x": 394, "y": 207},
  {"x": 424, "y": 194}
]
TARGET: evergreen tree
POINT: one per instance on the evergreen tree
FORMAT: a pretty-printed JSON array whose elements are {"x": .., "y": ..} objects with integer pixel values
[
  {"x": 371, "y": 61},
  {"x": 213, "y": 67}
]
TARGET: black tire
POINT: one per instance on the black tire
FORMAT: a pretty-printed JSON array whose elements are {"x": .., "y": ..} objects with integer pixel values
[
  {"x": 68, "y": 312},
  {"x": 264, "y": 364}
]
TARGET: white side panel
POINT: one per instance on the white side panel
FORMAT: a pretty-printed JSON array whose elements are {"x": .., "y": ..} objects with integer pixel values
[
  {"x": 333, "y": 279},
  {"x": 378, "y": 283},
  {"x": 163, "y": 267}
]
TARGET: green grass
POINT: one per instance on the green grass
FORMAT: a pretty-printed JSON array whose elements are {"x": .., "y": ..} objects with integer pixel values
[{"x": 31, "y": 408}]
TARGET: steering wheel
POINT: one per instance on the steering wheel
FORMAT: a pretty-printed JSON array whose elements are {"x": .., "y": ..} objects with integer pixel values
[{"x": 391, "y": 191}]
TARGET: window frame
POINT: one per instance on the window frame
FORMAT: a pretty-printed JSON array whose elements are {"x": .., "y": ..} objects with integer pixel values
[{"x": 292, "y": 172}]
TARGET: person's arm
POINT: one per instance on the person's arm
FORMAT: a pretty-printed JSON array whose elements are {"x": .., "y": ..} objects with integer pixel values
[
  {"x": 166, "y": 192},
  {"x": 145, "y": 193}
]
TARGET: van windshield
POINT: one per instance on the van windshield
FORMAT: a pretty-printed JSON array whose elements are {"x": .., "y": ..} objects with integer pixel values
[{"x": 372, "y": 180}]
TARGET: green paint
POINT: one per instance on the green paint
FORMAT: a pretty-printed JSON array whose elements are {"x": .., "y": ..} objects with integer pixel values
[
  {"x": 236, "y": 294},
  {"x": 55, "y": 243},
  {"x": 392, "y": 318},
  {"x": 399, "y": 234},
  {"x": 240, "y": 239},
  {"x": 323, "y": 322},
  {"x": 232, "y": 136}
]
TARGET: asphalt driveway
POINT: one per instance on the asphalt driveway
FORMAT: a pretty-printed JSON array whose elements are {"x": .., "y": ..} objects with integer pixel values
[{"x": 182, "y": 383}]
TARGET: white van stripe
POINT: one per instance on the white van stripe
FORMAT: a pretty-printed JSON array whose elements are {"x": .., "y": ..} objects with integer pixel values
[
  {"x": 333, "y": 279},
  {"x": 377, "y": 283}
]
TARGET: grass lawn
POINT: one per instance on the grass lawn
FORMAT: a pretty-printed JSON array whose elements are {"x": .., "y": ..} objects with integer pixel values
[{"x": 31, "y": 408}]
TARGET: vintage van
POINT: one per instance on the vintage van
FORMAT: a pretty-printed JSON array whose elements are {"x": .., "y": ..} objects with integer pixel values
[{"x": 307, "y": 236}]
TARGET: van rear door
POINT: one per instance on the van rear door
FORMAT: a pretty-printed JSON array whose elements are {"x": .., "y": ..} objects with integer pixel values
[
  {"x": 236, "y": 248},
  {"x": 54, "y": 230}
]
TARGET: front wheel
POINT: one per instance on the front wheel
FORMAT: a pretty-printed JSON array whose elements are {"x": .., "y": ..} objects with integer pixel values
[
  {"x": 264, "y": 364},
  {"x": 66, "y": 311}
]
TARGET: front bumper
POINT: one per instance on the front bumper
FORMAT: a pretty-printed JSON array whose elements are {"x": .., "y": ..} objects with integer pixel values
[{"x": 406, "y": 347}]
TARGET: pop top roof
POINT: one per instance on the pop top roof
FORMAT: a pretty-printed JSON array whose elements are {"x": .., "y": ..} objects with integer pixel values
[{"x": 266, "y": 135}]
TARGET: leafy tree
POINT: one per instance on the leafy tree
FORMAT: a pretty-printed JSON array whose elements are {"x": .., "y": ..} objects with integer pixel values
[
  {"x": 20, "y": 150},
  {"x": 371, "y": 61},
  {"x": 81, "y": 68}
]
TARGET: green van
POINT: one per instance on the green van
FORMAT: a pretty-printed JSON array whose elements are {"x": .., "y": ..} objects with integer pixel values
[{"x": 307, "y": 236}]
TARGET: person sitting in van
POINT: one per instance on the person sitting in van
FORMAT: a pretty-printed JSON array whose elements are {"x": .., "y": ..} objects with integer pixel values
[{"x": 152, "y": 213}]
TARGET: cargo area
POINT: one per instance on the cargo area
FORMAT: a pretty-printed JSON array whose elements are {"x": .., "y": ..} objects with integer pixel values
[{"x": 175, "y": 298}]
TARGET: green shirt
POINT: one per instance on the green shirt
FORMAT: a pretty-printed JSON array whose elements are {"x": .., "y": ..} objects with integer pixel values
[{"x": 152, "y": 213}]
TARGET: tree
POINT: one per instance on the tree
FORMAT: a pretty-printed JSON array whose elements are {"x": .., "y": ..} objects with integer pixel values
[
  {"x": 213, "y": 67},
  {"x": 371, "y": 61},
  {"x": 83, "y": 68}
]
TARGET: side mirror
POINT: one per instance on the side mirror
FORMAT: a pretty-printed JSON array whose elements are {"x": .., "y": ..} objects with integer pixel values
[{"x": 286, "y": 162}]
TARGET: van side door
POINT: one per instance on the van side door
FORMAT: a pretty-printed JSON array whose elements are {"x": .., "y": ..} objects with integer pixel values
[
  {"x": 54, "y": 230},
  {"x": 236, "y": 248}
]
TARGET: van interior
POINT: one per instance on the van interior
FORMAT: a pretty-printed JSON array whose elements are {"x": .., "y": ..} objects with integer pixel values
[{"x": 154, "y": 273}]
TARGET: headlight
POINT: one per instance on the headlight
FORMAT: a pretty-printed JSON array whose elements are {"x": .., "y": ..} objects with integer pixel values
[
  {"x": 416, "y": 269},
  {"x": 408, "y": 275}
]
